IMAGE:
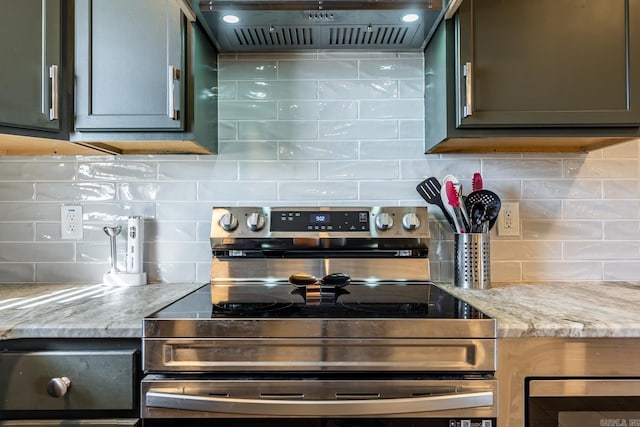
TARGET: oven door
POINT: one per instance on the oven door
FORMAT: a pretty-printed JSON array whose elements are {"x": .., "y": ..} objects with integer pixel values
[
  {"x": 580, "y": 402},
  {"x": 441, "y": 401}
]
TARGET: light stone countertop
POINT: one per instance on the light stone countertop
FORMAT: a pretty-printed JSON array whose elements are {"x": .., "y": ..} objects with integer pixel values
[
  {"x": 559, "y": 309},
  {"x": 82, "y": 311}
]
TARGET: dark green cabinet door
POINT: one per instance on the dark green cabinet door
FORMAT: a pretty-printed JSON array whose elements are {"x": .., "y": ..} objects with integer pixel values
[
  {"x": 548, "y": 62},
  {"x": 30, "y": 49},
  {"x": 129, "y": 61}
]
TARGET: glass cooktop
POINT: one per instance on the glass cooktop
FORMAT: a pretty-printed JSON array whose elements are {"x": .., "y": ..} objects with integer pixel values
[{"x": 282, "y": 300}]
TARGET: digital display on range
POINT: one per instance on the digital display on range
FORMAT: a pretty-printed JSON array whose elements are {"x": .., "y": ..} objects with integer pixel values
[
  {"x": 321, "y": 218},
  {"x": 315, "y": 221}
]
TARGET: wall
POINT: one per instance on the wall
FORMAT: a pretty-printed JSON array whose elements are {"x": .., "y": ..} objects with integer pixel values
[{"x": 315, "y": 129}]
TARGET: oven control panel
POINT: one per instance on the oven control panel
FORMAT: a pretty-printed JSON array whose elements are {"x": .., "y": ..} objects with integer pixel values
[{"x": 264, "y": 222}]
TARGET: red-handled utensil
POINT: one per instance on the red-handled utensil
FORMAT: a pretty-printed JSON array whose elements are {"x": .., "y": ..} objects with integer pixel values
[
  {"x": 454, "y": 202},
  {"x": 476, "y": 184}
]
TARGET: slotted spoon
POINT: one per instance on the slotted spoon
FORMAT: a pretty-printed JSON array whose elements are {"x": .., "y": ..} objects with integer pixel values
[{"x": 490, "y": 202}]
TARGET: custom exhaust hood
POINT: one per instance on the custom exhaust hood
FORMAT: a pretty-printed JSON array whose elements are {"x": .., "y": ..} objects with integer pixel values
[{"x": 291, "y": 25}]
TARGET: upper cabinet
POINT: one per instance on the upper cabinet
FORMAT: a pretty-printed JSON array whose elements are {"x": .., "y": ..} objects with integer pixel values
[
  {"x": 32, "y": 83},
  {"x": 141, "y": 67},
  {"x": 544, "y": 75},
  {"x": 140, "y": 79},
  {"x": 129, "y": 65}
]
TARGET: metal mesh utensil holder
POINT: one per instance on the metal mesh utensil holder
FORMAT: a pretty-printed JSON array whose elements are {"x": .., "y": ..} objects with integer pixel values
[{"x": 472, "y": 261}]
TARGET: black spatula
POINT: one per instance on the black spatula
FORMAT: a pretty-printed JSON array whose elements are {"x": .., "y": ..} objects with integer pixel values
[{"x": 429, "y": 189}]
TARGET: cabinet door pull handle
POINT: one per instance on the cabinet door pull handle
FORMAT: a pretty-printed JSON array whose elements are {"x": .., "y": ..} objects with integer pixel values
[
  {"x": 53, "y": 76},
  {"x": 174, "y": 75},
  {"x": 468, "y": 104}
]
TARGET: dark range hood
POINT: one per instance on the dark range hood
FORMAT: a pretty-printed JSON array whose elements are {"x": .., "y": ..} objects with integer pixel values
[{"x": 290, "y": 25}]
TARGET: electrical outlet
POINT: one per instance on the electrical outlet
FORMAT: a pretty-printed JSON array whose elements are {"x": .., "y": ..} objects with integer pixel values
[
  {"x": 509, "y": 219},
  {"x": 71, "y": 221}
]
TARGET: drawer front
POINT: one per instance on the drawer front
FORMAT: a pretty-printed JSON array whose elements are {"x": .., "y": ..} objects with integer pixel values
[{"x": 98, "y": 380}]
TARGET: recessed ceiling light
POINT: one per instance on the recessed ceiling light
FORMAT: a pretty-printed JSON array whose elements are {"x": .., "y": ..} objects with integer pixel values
[
  {"x": 410, "y": 17},
  {"x": 231, "y": 19}
]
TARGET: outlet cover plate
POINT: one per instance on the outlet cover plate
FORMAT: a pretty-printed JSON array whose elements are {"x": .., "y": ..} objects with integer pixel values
[
  {"x": 71, "y": 222},
  {"x": 509, "y": 219}
]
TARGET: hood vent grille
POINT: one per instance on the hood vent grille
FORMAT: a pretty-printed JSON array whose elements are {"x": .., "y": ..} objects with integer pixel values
[
  {"x": 270, "y": 37},
  {"x": 327, "y": 37},
  {"x": 378, "y": 37}
]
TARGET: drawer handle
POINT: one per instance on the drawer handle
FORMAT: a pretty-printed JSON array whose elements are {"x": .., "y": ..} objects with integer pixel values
[{"x": 58, "y": 387}]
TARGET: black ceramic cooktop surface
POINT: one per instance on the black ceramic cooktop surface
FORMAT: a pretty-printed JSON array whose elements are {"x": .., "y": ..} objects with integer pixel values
[{"x": 282, "y": 300}]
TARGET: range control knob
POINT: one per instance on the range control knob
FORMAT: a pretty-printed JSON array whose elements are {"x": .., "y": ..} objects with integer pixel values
[
  {"x": 410, "y": 221},
  {"x": 228, "y": 222},
  {"x": 384, "y": 221},
  {"x": 255, "y": 221},
  {"x": 58, "y": 387}
]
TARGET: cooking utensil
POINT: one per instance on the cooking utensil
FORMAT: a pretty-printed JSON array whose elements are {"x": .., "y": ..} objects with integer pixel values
[
  {"x": 458, "y": 194},
  {"x": 454, "y": 202},
  {"x": 335, "y": 280},
  {"x": 491, "y": 202},
  {"x": 430, "y": 190},
  {"x": 476, "y": 183}
]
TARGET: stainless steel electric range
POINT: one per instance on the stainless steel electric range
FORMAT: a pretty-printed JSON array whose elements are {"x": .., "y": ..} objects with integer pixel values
[{"x": 320, "y": 317}]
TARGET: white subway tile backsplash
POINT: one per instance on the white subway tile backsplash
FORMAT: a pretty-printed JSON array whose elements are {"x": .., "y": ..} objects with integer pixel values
[
  {"x": 561, "y": 270},
  {"x": 523, "y": 169},
  {"x": 621, "y": 189},
  {"x": 561, "y": 189},
  {"x": 621, "y": 270},
  {"x": 236, "y": 191},
  {"x": 249, "y": 110},
  {"x": 595, "y": 168},
  {"x": 17, "y": 231},
  {"x": 206, "y": 170},
  {"x": 117, "y": 171},
  {"x": 36, "y": 252},
  {"x": 359, "y": 170},
  {"x": 75, "y": 191},
  {"x": 247, "y": 70},
  {"x": 358, "y": 89},
  {"x": 509, "y": 250},
  {"x": 37, "y": 170},
  {"x": 278, "y": 130},
  {"x": 601, "y": 250},
  {"x": 395, "y": 109},
  {"x": 317, "y": 110},
  {"x": 561, "y": 230},
  {"x": 358, "y": 129},
  {"x": 622, "y": 230},
  {"x": 278, "y": 170},
  {"x": 17, "y": 191},
  {"x": 321, "y": 192},
  {"x": 388, "y": 190},
  {"x": 601, "y": 209},
  {"x": 247, "y": 150},
  {"x": 318, "y": 150},
  {"x": 281, "y": 89},
  {"x": 339, "y": 69},
  {"x": 11, "y": 272},
  {"x": 148, "y": 191},
  {"x": 318, "y": 128},
  {"x": 409, "y": 68},
  {"x": 393, "y": 148}
]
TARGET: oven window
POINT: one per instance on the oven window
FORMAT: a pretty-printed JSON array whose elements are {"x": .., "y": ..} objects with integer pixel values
[{"x": 583, "y": 411}]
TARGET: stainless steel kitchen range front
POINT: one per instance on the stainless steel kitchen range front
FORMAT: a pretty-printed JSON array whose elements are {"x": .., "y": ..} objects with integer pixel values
[{"x": 320, "y": 316}]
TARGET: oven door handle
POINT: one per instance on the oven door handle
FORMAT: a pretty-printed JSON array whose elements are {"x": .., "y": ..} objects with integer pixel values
[{"x": 302, "y": 408}]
